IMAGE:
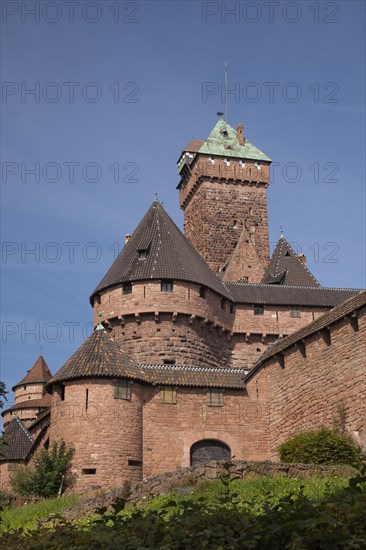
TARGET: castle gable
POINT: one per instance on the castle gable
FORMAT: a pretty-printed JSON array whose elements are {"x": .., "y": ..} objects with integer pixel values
[
  {"x": 223, "y": 141},
  {"x": 287, "y": 268},
  {"x": 19, "y": 441}
]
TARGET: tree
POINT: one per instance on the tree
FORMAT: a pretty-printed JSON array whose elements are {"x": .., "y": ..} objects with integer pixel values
[{"x": 49, "y": 474}]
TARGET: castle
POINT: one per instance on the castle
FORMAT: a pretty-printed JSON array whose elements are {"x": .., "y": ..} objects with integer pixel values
[{"x": 204, "y": 346}]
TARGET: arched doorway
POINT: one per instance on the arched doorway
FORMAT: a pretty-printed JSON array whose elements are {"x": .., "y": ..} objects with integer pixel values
[{"x": 209, "y": 449}]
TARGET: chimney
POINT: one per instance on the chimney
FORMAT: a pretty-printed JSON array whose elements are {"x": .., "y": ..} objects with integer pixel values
[
  {"x": 127, "y": 237},
  {"x": 302, "y": 258},
  {"x": 240, "y": 134}
]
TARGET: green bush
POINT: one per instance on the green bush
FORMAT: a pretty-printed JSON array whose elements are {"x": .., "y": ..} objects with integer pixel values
[
  {"x": 49, "y": 474},
  {"x": 320, "y": 447},
  {"x": 292, "y": 522}
]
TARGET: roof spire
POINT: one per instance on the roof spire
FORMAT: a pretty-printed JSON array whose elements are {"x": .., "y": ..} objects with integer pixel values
[
  {"x": 226, "y": 95},
  {"x": 156, "y": 198},
  {"x": 281, "y": 232}
]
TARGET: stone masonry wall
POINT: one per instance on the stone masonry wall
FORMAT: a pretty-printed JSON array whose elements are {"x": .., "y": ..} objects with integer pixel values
[
  {"x": 28, "y": 391},
  {"x": 105, "y": 436},
  {"x": 216, "y": 212},
  {"x": 171, "y": 429},
  {"x": 316, "y": 390},
  {"x": 153, "y": 326}
]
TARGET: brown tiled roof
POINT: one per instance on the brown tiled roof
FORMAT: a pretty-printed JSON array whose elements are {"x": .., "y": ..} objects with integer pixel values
[
  {"x": 43, "y": 402},
  {"x": 98, "y": 356},
  {"x": 40, "y": 416},
  {"x": 169, "y": 256},
  {"x": 286, "y": 268},
  {"x": 332, "y": 316},
  {"x": 267, "y": 294},
  {"x": 209, "y": 377},
  {"x": 19, "y": 441},
  {"x": 37, "y": 374},
  {"x": 194, "y": 145}
]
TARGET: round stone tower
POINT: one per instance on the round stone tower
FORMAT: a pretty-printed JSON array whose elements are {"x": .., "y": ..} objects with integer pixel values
[
  {"x": 30, "y": 396},
  {"x": 97, "y": 409}
]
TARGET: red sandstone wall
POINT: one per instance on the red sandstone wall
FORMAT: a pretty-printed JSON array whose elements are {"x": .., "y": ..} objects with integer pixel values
[
  {"x": 210, "y": 208},
  {"x": 105, "y": 436},
  {"x": 171, "y": 429},
  {"x": 306, "y": 393},
  {"x": 28, "y": 391},
  {"x": 202, "y": 333}
]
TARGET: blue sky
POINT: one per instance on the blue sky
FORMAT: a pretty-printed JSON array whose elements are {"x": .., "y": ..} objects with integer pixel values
[{"x": 120, "y": 89}]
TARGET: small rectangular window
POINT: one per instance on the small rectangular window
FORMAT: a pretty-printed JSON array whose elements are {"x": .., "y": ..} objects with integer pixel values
[
  {"x": 258, "y": 310},
  {"x": 62, "y": 393},
  {"x": 231, "y": 308},
  {"x": 122, "y": 390},
  {"x": 134, "y": 462},
  {"x": 202, "y": 292},
  {"x": 295, "y": 312},
  {"x": 89, "y": 471},
  {"x": 222, "y": 303},
  {"x": 168, "y": 394},
  {"x": 215, "y": 397},
  {"x": 169, "y": 361},
  {"x": 127, "y": 288},
  {"x": 97, "y": 299},
  {"x": 166, "y": 286}
]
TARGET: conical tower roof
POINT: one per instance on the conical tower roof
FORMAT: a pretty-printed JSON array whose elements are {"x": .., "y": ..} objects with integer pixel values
[
  {"x": 38, "y": 374},
  {"x": 159, "y": 250},
  {"x": 98, "y": 357},
  {"x": 287, "y": 268}
]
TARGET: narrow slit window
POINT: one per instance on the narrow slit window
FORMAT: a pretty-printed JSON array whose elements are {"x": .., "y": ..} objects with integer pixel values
[
  {"x": 202, "y": 292},
  {"x": 89, "y": 471}
]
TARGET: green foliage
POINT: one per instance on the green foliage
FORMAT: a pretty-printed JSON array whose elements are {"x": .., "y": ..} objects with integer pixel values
[
  {"x": 320, "y": 447},
  {"x": 26, "y": 517},
  {"x": 3, "y": 393},
  {"x": 49, "y": 474},
  {"x": 291, "y": 521}
]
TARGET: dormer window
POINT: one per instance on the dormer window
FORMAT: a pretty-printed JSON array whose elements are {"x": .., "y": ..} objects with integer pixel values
[
  {"x": 224, "y": 133},
  {"x": 142, "y": 253}
]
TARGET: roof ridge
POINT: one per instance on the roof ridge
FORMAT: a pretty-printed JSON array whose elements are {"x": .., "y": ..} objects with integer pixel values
[{"x": 24, "y": 428}]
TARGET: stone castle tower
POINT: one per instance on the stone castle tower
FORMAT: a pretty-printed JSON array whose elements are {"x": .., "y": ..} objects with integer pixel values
[
  {"x": 203, "y": 346},
  {"x": 223, "y": 195}
]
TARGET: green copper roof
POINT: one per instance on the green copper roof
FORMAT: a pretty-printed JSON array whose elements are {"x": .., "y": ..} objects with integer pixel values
[{"x": 223, "y": 141}]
